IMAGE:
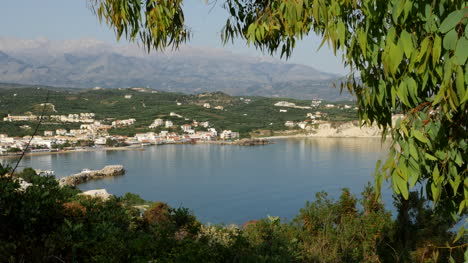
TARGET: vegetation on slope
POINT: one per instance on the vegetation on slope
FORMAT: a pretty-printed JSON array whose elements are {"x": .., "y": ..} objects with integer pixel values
[{"x": 145, "y": 105}]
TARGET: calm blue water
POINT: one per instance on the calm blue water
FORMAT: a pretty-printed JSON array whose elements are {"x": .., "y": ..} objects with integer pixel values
[{"x": 231, "y": 184}]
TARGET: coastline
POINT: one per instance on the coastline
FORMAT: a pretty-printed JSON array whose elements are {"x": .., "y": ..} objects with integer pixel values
[
  {"x": 324, "y": 130},
  {"x": 301, "y": 136},
  {"x": 76, "y": 151},
  {"x": 276, "y": 137}
]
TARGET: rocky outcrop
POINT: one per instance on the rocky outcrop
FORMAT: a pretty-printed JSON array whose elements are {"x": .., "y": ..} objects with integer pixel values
[
  {"x": 98, "y": 193},
  {"x": 79, "y": 178},
  {"x": 251, "y": 142},
  {"x": 348, "y": 129}
]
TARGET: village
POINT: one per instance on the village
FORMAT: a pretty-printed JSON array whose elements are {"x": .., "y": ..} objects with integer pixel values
[{"x": 94, "y": 134}]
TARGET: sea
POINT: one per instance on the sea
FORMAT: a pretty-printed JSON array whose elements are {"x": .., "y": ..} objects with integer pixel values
[{"x": 224, "y": 184}]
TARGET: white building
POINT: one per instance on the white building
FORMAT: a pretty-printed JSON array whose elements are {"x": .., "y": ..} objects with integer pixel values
[
  {"x": 315, "y": 103},
  {"x": 330, "y": 106},
  {"x": 228, "y": 134},
  {"x": 100, "y": 141},
  {"x": 121, "y": 123},
  {"x": 289, "y": 124},
  {"x": 60, "y": 131},
  {"x": 205, "y": 124},
  {"x": 283, "y": 110},
  {"x": 48, "y": 133},
  {"x": 175, "y": 115},
  {"x": 284, "y": 104},
  {"x": 213, "y": 131},
  {"x": 302, "y": 124},
  {"x": 168, "y": 124},
  {"x": 128, "y": 96},
  {"x": 156, "y": 123},
  {"x": 207, "y": 105},
  {"x": 219, "y": 108},
  {"x": 186, "y": 127},
  {"x": 11, "y": 118}
]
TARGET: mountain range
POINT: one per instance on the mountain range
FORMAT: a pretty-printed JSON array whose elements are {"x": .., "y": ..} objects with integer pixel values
[{"x": 87, "y": 63}]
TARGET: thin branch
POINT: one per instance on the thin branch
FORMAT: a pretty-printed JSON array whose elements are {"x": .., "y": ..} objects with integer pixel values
[{"x": 34, "y": 133}]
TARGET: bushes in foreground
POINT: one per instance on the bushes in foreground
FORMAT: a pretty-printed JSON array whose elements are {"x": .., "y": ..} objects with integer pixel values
[{"x": 46, "y": 223}]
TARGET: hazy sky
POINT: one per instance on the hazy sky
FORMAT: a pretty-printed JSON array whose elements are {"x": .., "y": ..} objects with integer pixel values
[{"x": 71, "y": 19}]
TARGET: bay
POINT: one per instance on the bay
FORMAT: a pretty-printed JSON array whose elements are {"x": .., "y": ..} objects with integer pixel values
[{"x": 232, "y": 184}]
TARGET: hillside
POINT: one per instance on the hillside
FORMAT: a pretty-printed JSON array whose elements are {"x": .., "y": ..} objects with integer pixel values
[
  {"x": 243, "y": 114},
  {"x": 90, "y": 63}
]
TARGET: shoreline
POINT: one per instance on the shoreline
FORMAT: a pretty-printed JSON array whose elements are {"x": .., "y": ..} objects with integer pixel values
[
  {"x": 76, "y": 151},
  {"x": 302, "y": 136},
  {"x": 142, "y": 148}
]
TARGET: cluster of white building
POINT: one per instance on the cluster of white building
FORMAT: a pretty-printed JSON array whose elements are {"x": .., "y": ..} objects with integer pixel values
[
  {"x": 300, "y": 124},
  {"x": 97, "y": 133},
  {"x": 160, "y": 122},
  {"x": 171, "y": 137},
  {"x": 81, "y": 117},
  {"x": 315, "y": 103},
  {"x": 123, "y": 123},
  {"x": 208, "y": 106},
  {"x": 12, "y": 118},
  {"x": 312, "y": 118},
  {"x": 290, "y": 105}
]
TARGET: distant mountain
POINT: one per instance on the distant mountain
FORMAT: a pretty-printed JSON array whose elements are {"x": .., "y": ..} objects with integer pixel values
[{"x": 89, "y": 63}]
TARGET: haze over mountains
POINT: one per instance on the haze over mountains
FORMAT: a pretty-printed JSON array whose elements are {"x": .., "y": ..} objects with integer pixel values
[{"x": 88, "y": 63}]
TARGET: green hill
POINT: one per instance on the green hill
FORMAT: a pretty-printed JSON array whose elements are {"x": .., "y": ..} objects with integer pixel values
[{"x": 243, "y": 114}]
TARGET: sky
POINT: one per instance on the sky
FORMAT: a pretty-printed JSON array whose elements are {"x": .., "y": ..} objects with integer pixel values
[{"x": 72, "y": 19}]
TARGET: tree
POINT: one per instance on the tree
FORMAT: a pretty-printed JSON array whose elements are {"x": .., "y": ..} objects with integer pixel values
[{"x": 405, "y": 56}]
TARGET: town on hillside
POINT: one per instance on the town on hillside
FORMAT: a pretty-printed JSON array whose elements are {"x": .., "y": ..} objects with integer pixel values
[{"x": 223, "y": 118}]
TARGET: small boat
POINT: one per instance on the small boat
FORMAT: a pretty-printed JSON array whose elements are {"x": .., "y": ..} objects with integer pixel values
[{"x": 86, "y": 170}]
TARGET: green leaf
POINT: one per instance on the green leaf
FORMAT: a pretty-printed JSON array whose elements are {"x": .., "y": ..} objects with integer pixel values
[
  {"x": 461, "y": 51},
  {"x": 341, "y": 32},
  {"x": 397, "y": 9},
  {"x": 423, "y": 49},
  {"x": 412, "y": 88},
  {"x": 407, "y": 42},
  {"x": 451, "y": 21},
  {"x": 430, "y": 157},
  {"x": 362, "y": 38},
  {"x": 413, "y": 151},
  {"x": 435, "y": 192},
  {"x": 466, "y": 74},
  {"x": 460, "y": 83},
  {"x": 450, "y": 39},
  {"x": 460, "y": 234},
  {"x": 402, "y": 186},
  {"x": 378, "y": 178},
  {"x": 418, "y": 135},
  {"x": 455, "y": 183},
  {"x": 461, "y": 207},
  {"x": 465, "y": 98},
  {"x": 436, "y": 49},
  {"x": 436, "y": 174}
]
